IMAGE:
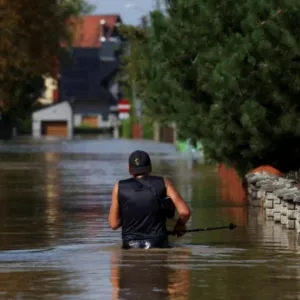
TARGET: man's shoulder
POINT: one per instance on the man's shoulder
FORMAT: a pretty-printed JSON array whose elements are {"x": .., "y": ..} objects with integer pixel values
[
  {"x": 125, "y": 180},
  {"x": 156, "y": 177},
  {"x": 132, "y": 179}
]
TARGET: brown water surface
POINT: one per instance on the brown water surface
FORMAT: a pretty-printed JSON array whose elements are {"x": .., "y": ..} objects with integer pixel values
[{"x": 55, "y": 242}]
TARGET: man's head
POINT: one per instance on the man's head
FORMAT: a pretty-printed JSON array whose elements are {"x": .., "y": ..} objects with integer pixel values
[{"x": 139, "y": 163}]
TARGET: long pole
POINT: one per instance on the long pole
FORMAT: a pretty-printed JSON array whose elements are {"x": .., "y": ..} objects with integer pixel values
[{"x": 231, "y": 226}]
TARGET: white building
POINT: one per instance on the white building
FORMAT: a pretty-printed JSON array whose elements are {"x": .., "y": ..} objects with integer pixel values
[
  {"x": 60, "y": 119},
  {"x": 53, "y": 120}
]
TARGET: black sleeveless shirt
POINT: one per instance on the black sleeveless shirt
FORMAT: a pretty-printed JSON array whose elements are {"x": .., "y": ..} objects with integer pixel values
[{"x": 140, "y": 210}]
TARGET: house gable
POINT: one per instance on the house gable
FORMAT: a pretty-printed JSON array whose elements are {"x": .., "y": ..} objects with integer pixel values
[{"x": 57, "y": 111}]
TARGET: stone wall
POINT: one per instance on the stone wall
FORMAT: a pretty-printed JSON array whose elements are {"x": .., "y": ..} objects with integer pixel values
[{"x": 278, "y": 196}]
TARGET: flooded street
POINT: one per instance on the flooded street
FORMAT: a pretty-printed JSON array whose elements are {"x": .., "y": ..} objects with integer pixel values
[{"x": 55, "y": 242}]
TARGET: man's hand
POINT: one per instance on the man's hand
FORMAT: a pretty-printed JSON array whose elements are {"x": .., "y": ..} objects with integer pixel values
[{"x": 179, "y": 229}]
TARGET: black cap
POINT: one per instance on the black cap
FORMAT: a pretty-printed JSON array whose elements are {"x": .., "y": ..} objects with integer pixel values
[{"x": 139, "y": 162}]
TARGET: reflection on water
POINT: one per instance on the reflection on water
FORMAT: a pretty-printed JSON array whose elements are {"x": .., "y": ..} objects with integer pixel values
[
  {"x": 42, "y": 284},
  {"x": 157, "y": 275},
  {"x": 52, "y": 194},
  {"x": 55, "y": 242}
]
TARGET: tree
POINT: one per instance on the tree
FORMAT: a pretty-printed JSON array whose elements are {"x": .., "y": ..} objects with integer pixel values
[
  {"x": 228, "y": 73},
  {"x": 132, "y": 58},
  {"x": 31, "y": 39}
]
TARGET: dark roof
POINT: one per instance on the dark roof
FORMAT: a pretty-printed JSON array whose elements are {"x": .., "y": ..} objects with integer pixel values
[{"x": 87, "y": 76}]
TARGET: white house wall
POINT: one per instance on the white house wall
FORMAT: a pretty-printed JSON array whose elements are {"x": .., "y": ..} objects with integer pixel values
[
  {"x": 59, "y": 112},
  {"x": 63, "y": 112},
  {"x": 77, "y": 120}
]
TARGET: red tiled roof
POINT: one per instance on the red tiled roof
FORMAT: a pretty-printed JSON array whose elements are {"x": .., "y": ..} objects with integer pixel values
[
  {"x": 267, "y": 169},
  {"x": 88, "y": 30}
]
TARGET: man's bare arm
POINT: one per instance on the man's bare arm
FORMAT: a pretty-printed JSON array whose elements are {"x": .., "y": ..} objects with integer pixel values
[
  {"x": 114, "y": 213},
  {"x": 181, "y": 206}
]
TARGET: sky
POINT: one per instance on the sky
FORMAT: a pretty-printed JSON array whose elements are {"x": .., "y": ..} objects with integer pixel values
[{"x": 130, "y": 15}]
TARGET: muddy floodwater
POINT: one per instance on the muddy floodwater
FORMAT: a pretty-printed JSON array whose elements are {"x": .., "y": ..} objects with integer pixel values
[{"x": 55, "y": 242}]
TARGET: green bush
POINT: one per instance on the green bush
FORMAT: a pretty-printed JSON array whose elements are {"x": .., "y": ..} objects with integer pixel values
[
  {"x": 147, "y": 130},
  {"x": 126, "y": 131},
  {"x": 126, "y": 128}
]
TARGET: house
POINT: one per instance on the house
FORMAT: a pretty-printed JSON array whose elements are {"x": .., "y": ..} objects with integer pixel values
[
  {"x": 53, "y": 120},
  {"x": 88, "y": 82}
]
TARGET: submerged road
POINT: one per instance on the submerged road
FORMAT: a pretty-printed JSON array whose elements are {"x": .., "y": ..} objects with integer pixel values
[{"x": 55, "y": 242}]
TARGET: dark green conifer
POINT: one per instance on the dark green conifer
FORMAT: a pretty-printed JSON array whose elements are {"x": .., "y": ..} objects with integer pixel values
[{"x": 228, "y": 72}]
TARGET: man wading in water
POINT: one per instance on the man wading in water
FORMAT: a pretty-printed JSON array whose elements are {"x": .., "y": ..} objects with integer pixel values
[{"x": 139, "y": 206}]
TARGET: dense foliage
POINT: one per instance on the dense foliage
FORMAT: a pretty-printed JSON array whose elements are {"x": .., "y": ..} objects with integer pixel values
[
  {"x": 228, "y": 72},
  {"x": 32, "y": 35}
]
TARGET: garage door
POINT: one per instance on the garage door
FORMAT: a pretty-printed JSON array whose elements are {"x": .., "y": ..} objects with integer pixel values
[
  {"x": 91, "y": 121},
  {"x": 55, "y": 128}
]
